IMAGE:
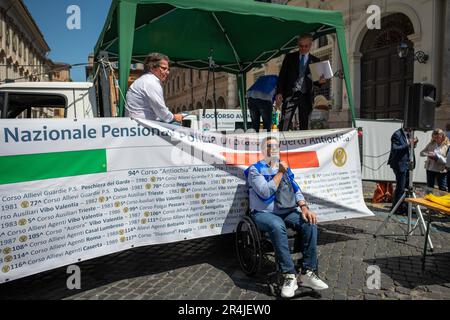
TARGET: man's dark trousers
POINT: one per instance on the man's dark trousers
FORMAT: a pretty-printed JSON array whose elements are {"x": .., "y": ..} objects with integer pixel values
[
  {"x": 304, "y": 110},
  {"x": 402, "y": 182},
  {"x": 260, "y": 108}
]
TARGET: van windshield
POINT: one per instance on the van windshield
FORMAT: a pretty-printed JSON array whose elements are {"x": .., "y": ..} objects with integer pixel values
[
  {"x": 25, "y": 105},
  {"x": 2, "y": 103}
]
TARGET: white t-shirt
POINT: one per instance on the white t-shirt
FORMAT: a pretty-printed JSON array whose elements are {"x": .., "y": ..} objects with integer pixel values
[{"x": 145, "y": 99}]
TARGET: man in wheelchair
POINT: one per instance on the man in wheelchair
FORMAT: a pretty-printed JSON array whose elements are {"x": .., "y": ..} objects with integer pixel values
[{"x": 276, "y": 201}]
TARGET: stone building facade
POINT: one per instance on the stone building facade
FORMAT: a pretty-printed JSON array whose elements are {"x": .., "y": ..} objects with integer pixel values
[
  {"x": 58, "y": 71},
  {"x": 23, "y": 48},
  {"x": 185, "y": 90},
  {"x": 379, "y": 77}
]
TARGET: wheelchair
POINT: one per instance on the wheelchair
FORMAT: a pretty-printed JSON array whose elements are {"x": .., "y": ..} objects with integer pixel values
[{"x": 252, "y": 246}]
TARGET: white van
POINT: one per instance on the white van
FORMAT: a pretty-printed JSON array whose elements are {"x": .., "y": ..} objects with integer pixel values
[
  {"x": 77, "y": 100},
  {"x": 227, "y": 120},
  {"x": 53, "y": 99}
]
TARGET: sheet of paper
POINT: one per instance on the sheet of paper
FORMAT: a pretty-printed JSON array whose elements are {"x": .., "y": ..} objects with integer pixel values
[{"x": 321, "y": 68}]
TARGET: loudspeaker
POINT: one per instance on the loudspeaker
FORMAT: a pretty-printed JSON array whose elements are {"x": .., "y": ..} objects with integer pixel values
[{"x": 420, "y": 107}]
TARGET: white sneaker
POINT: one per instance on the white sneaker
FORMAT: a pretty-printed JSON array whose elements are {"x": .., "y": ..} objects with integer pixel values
[
  {"x": 311, "y": 280},
  {"x": 289, "y": 286}
]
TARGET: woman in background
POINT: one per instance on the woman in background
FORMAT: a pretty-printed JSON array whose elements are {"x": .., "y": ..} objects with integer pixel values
[{"x": 436, "y": 153}]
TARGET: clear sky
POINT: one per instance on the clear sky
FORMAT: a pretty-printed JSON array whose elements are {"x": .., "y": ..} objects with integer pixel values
[{"x": 70, "y": 46}]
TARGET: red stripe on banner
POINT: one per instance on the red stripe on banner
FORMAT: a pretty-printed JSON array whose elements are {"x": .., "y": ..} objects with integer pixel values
[{"x": 295, "y": 160}]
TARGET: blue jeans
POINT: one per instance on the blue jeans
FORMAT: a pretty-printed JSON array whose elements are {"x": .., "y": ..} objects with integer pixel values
[
  {"x": 275, "y": 225},
  {"x": 448, "y": 181},
  {"x": 441, "y": 180}
]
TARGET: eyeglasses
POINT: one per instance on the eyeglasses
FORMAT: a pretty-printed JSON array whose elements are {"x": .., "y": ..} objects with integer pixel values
[
  {"x": 272, "y": 145},
  {"x": 164, "y": 68}
]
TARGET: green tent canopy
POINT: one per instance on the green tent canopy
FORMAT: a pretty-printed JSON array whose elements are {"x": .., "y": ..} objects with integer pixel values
[{"x": 237, "y": 34}]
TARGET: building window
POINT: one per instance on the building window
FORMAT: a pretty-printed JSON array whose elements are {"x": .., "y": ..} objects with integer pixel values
[
  {"x": 15, "y": 39},
  {"x": 323, "y": 41},
  {"x": 8, "y": 35}
]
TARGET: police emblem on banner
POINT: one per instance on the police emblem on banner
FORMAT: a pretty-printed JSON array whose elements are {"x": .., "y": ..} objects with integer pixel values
[{"x": 339, "y": 157}]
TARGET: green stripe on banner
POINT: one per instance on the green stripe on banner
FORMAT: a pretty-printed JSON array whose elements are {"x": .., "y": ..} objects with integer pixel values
[{"x": 32, "y": 167}]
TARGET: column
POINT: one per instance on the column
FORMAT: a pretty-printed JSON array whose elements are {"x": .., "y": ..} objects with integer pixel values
[{"x": 446, "y": 61}]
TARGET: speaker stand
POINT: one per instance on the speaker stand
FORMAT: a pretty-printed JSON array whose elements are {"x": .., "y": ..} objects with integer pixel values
[{"x": 409, "y": 193}]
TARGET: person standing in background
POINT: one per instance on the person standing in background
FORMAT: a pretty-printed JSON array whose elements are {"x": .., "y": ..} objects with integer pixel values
[
  {"x": 295, "y": 85},
  {"x": 399, "y": 158},
  {"x": 261, "y": 96},
  {"x": 436, "y": 153}
]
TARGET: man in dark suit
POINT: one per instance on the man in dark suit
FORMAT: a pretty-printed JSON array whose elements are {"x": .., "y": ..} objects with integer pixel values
[
  {"x": 399, "y": 162},
  {"x": 295, "y": 86}
]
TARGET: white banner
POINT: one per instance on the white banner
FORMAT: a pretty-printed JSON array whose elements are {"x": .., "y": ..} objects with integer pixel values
[
  {"x": 76, "y": 190},
  {"x": 376, "y": 147}
]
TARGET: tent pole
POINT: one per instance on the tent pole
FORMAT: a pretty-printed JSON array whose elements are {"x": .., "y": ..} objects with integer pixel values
[
  {"x": 241, "y": 78},
  {"x": 340, "y": 33},
  {"x": 206, "y": 93},
  {"x": 127, "y": 19},
  {"x": 214, "y": 92}
]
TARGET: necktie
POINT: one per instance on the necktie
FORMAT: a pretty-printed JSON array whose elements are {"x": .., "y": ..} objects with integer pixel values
[{"x": 302, "y": 65}]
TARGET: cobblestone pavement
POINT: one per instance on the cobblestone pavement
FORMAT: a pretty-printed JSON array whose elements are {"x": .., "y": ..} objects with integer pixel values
[{"x": 207, "y": 268}]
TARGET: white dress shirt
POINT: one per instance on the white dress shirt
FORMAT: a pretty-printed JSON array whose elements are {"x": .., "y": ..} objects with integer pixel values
[{"x": 145, "y": 99}]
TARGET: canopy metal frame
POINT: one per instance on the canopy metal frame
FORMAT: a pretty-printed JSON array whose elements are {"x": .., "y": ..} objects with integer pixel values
[{"x": 123, "y": 14}]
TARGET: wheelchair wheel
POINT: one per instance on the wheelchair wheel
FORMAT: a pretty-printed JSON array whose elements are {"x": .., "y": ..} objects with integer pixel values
[
  {"x": 274, "y": 289},
  {"x": 248, "y": 246}
]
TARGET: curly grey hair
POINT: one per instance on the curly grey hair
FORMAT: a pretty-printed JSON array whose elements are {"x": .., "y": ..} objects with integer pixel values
[{"x": 153, "y": 60}]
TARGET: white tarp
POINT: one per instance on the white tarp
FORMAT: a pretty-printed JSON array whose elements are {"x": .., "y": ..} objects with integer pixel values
[
  {"x": 76, "y": 190},
  {"x": 376, "y": 147}
]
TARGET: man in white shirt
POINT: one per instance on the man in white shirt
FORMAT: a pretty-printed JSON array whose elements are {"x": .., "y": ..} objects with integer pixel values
[{"x": 145, "y": 97}]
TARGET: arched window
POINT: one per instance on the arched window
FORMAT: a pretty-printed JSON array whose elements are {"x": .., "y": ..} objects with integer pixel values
[
  {"x": 221, "y": 103},
  {"x": 323, "y": 41},
  {"x": 384, "y": 76},
  {"x": 394, "y": 29}
]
